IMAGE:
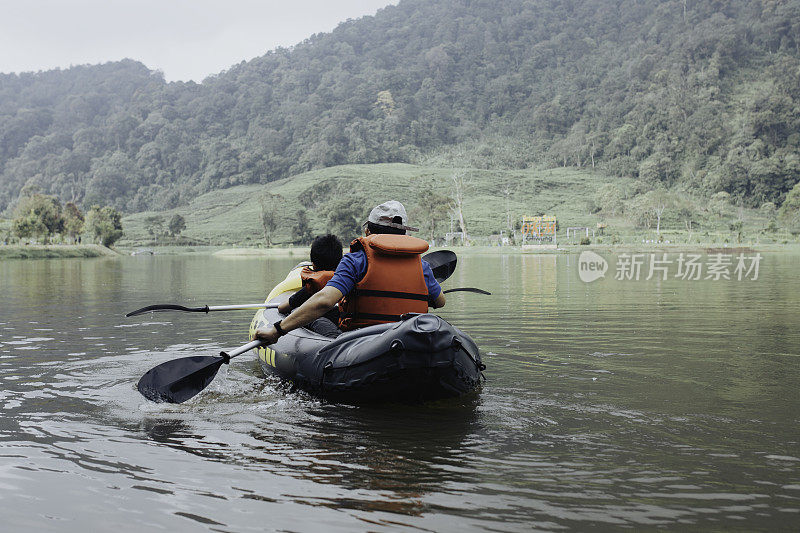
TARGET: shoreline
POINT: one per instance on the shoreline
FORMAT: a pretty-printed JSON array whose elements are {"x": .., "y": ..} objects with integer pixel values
[
  {"x": 55, "y": 251},
  {"x": 77, "y": 251},
  {"x": 302, "y": 252}
]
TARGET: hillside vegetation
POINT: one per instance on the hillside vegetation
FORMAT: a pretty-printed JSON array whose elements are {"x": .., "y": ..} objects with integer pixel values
[
  {"x": 234, "y": 215},
  {"x": 701, "y": 95},
  {"x": 496, "y": 200}
]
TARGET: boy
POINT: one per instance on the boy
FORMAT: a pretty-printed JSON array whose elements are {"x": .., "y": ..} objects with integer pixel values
[{"x": 326, "y": 252}]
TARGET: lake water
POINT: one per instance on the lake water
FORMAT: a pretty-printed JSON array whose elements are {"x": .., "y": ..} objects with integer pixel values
[{"x": 614, "y": 404}]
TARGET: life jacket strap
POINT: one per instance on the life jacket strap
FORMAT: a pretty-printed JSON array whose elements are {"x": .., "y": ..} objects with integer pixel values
[{"x": 390, "y": 294}]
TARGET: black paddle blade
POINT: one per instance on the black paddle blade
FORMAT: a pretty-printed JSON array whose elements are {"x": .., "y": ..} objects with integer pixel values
[
  {"x": 468, "y": 289},
  {"x": 442, "y": 262},
  {"x": 167, "y": 307},
  {"x": 180, "y": 379}
]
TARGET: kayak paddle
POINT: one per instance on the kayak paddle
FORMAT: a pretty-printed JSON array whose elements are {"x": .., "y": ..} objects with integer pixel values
[
  {"x": 442, "y": 262},
  {"x": 467, "y": 289},
  {"x": 204, "y": 309},
  {"x": 180, "y": 379}
]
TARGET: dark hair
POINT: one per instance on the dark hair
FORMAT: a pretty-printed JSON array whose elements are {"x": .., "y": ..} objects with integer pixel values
[
  {"x": 377, "y": 228},
  {"x": 326, "y": 252}
]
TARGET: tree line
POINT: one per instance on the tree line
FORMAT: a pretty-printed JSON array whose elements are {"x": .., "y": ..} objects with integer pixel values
[
  {"x": 42, "y": 217},
  {"x": 158, "y": 227},
  {"x": 649, "y": 208},
  {"x": 704, "y": 94}
]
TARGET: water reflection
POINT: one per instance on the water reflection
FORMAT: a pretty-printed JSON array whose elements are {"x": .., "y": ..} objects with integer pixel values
[{"x": 396, "y": 453}]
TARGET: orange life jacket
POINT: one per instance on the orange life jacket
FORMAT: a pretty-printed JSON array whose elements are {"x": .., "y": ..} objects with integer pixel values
[
  {"x": 314, "y": 280},
  {"x": 393, "y": 284}
]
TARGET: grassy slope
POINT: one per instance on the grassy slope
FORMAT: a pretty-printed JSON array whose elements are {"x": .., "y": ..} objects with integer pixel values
[{"x": 231, "y": 216}]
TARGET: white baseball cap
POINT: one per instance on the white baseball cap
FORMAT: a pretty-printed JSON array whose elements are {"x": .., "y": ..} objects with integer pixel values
[{"x": 386, "y": 214}]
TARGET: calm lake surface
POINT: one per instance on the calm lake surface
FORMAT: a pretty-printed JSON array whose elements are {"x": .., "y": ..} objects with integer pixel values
[{"x": 608, "y": 405}]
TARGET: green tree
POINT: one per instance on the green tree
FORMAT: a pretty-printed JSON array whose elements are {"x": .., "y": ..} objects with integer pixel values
[
  {"x": 73, "y": 221},
  {"x": 28, "y": 225},
  {"x": 609, "y": 199},
  {"x": 345, "y": 215},
  {"x": 301, "y": 230},
  {"x": 38, "y": 215},
  {"x": 687, "y": 212},
  {"x": 176, "y": 225},
  {"x": 105, "y": 223},
  {"x": 431, "y": 207},
  {"x": 385, "y": 103},
  {"x": 460, "y": 184},
  {"x": 590, "y": 207},
  {"x": 271, "y": 214},
  {"x": 737, "y": 227},
  {"x": 509, "y": 187},
  {"x": 8, "y": 236},
  {"x": 638, "y": 210},
  {"x": 719, "y": 203},
  {"x": 154, "y": 224},
  {"x": 114, "y": 177},
  {"x": 657, "y": 202},
  {"x": 789, "y": 213},
  {"x": 768, "y": 209}
]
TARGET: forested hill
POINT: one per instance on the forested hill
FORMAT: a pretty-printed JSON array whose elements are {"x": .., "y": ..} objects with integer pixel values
[{"x": 704, "y": 94}]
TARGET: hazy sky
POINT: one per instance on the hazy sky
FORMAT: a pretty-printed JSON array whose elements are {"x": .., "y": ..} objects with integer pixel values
[{"x": 186, "y": 39}]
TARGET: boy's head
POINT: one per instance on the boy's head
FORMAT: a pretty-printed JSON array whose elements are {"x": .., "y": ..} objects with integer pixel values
[{"x": 326, "y": 252}]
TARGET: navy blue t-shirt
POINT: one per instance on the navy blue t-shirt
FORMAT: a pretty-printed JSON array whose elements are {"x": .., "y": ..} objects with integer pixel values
[{"x": 353, "y": 266}]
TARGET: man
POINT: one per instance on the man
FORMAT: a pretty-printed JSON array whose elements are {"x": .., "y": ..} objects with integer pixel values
[{"x": 382, "y": 277}]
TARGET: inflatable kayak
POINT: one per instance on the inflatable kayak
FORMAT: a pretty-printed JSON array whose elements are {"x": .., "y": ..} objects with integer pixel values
[{"x": 420, "y": 358}]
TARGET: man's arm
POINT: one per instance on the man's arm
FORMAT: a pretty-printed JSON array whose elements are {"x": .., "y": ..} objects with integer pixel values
[
  {"x": 351, "y": 269},
  {"x": 316, "y": 306},
  {"x": 439, "y": 301},
  {"x": 433, "y": 287}
]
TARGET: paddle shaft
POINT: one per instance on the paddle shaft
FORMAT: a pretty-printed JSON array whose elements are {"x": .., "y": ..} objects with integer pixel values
[
  {"x": 240, "y": 306},
  {"x": 204, "y": 309},
  {"x": 241, "y": 349}
]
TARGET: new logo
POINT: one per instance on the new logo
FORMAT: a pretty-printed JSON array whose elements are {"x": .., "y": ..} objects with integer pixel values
[{"x": 591, "y": 266}]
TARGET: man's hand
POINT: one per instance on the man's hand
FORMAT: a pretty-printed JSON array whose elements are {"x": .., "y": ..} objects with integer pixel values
[{"x": 269, "y": 335}]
